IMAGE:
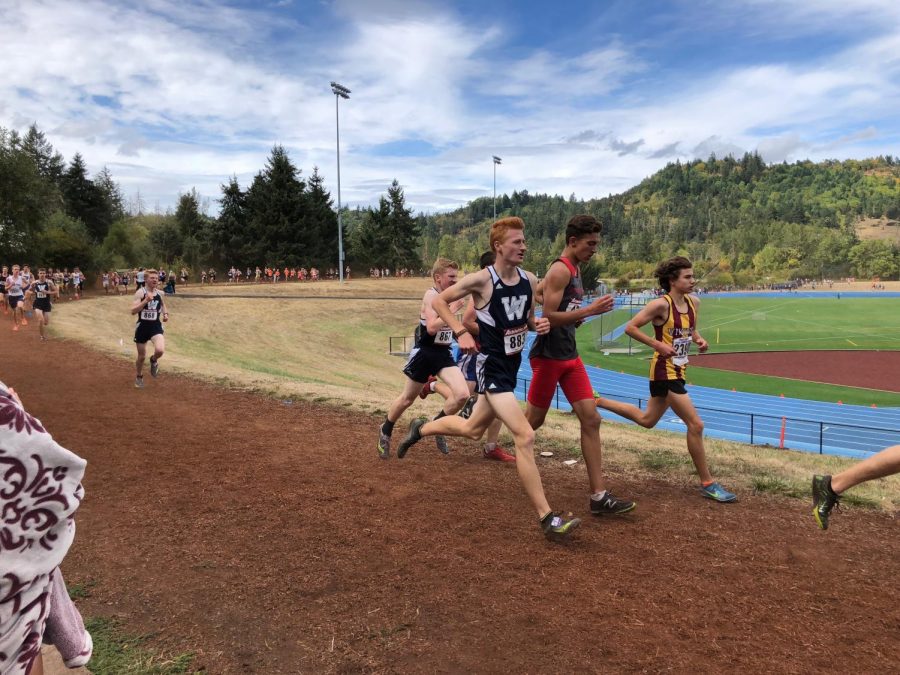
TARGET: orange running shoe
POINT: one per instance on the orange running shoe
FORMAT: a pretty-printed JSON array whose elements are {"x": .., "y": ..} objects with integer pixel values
[{"x": 499, "y": 454}]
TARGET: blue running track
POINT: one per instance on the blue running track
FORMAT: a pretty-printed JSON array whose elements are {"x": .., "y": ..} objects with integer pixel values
[{"x": 813, "y": 426}]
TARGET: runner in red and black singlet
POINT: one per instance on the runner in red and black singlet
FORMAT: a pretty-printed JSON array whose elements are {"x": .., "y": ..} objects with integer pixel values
[{"x": 555, "y": 360}]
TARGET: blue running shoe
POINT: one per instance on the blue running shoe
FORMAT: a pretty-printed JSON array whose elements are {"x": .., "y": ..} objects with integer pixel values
[{"x": 718, "y": 493}]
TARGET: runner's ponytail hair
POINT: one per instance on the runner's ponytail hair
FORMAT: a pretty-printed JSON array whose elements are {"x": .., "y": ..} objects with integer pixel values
[{"x": 668, "y": 270}]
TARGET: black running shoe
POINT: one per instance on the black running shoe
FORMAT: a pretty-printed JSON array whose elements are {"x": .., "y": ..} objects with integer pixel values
[
  {"x": 611, "y": 506},
  {"x": 824, "y": 500},
  {"x": 412, "y": 437},
  {"x": 154, "y": 367},
  {"x": 557, "y": 528},
  {"x": 441, "y": 444}
]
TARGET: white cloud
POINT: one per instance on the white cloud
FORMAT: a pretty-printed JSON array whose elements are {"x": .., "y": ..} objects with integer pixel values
[{"x": 192, "y": 106}]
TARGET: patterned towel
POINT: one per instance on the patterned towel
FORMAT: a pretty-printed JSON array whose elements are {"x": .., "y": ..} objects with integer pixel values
[{"x": 40, "y": 490}]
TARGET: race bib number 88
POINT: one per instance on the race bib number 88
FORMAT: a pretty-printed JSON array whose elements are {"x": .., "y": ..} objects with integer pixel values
[{"x": 514, "y": 340}]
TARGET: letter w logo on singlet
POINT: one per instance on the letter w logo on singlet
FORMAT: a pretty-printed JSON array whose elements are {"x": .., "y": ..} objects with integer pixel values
[{"x": 514, "y": 307}]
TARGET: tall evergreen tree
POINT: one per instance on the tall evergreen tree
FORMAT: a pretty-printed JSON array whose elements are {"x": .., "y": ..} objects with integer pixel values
[
  {"x": 113, "y": 199},
  {"x": 229, "y": 232},
  {"x": 320, "y": 222},
  {"x": 24, "y": 202},
  {"x": 402, "y": 236},
  {"x": 276, "y": 202},
  {"x": 84, "y": 200},
  {"x": 187, "y": 215},
  {"x": 50, "y": 163}
]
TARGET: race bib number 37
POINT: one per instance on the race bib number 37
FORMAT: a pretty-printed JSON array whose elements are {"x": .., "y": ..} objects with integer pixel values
[{"x": 514, "y": 340}]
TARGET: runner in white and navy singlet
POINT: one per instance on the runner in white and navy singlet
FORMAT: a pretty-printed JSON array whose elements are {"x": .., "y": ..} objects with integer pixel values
[
  {"x": 502, "y": 330},
  {"x": 42, "y": 288},
  {"x": 150, "y": 308},
  {"x": 429, "y": 357},
  {"x": 149, "y": 321}
]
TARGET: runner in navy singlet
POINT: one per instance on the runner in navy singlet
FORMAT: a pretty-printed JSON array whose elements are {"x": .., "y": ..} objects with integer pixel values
[
  {"x": 3, "y": 274},
  {"x": 42, "y": 289},
  {"x": 503, "y": 295},
  {"x": 150, "y": 308},
  {"x": 430, "y": 356}
]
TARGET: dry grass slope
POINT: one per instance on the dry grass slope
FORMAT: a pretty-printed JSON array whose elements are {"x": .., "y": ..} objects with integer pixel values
[{"x": 335, "y": 352}]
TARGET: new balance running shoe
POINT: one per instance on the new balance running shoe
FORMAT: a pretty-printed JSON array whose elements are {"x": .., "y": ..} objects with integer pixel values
[
  {"x": 154, "y": 367},
  {"x": 384, "y": 444},
  {"x": 717, "y": 493},
  {"x": 824, "y": 500},
  {"x": 413, "y": 437},
  {"x": 557, "y": 528},
  {"x": 442, "y": 445},
  {"x": 426, "y": 388},
  {"x": 498, "y": 454},
  {"x": 611, "y": 506},
  {"x": 139, "y": 382}
]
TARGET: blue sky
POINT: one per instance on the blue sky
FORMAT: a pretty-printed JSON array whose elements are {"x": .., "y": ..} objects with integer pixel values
[{"x": 577, "y": 97}]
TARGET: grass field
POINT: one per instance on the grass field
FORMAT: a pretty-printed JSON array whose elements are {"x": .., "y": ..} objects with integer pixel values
[
  {"x": 769, "y": 324},
  {"x": 335, "y": 352}
]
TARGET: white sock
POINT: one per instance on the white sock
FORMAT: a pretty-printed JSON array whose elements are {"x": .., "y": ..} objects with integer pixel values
[
  {"x": 489, "y": 447},
  {"x": 597, "y": 496}
]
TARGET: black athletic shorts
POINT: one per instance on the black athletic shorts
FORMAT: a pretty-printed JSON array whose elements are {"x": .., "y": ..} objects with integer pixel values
[
  {"x": 142, "y": 333},
  {"x": 43, "y": 306},
  {"x": 661, "y": 388},
  {"x": 496, "y": 374},
  {"x": 14, "y": 300},
  {"x": 426, "y": 361}
]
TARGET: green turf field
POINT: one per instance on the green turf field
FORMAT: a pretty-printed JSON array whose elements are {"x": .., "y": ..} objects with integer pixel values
[{"x": 769, "y": 324}]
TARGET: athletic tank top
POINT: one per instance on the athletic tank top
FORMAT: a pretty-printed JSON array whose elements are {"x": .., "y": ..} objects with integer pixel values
[
  {"x": 42, "y": 293},
  {"x": 503, "y": 321},
  {"x": 677, "y": 331},
  {"x": 150, "y": 314},
  {"x": 559, "y": 343},
  {"x": 441, "y": 339},
  {"x": 14, "y": 286}
]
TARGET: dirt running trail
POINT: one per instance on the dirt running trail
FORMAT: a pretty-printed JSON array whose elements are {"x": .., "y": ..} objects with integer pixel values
[{"x": 268, "y": 538}]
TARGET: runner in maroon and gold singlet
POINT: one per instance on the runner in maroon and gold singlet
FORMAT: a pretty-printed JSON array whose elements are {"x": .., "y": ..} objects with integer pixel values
[{"x": 674, "y": 319}]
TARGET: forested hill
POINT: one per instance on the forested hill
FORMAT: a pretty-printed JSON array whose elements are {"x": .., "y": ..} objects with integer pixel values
[{"x": 738, "y": 218}]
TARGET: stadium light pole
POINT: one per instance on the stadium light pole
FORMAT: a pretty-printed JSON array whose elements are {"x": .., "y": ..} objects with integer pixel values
[
  {"x": 497, "y": 161},
  {"x": 339, "y": 92}
]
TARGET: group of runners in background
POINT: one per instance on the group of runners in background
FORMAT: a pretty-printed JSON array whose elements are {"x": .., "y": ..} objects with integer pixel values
[
  {"x": 489, "y": 313},
  {"x": 24, "y": 294}
]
